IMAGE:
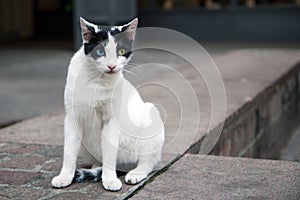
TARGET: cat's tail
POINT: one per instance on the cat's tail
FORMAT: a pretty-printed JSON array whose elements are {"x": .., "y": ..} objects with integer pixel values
[
  {"x": 91, "y": 175},
  {"x": 145, "y": 118}
]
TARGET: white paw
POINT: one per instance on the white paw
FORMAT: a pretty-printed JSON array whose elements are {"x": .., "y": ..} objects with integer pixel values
[
  {"x": 112, "y": 185},
  {"x": 134, "y": 177},
  {"x": 61, "y": 181}
]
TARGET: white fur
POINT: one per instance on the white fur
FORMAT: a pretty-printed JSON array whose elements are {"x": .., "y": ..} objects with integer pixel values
[{"x": 108, "y": 122}]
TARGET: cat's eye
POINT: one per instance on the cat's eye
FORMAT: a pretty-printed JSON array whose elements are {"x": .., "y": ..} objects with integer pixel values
[
  {"x": 100, "y": 52},
  {"x": 121, "y": 52}
]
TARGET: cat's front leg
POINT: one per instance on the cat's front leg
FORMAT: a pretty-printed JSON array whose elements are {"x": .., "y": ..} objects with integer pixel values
[
  {"x": 110, "y": 142},
  {"x": 71, "y": 149}
]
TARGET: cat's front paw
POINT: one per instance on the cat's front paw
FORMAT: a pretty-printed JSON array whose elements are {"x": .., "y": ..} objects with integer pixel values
[
  {"x": 112, "y": 185},
  {"x": 61, "y": 181},
  {"x": 134, "y": 177}
]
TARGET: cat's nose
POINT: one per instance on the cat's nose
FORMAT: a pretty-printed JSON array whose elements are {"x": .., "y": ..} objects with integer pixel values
[{"x": 111, "y": 67}]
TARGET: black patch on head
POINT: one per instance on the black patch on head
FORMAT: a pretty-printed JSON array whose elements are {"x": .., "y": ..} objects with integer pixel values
[
  {"x": 100, "y": 38},
  {"x": 97, "y": 38},
  {"x": 123, "y": 42},
  {"x": 114, "y": 31}
]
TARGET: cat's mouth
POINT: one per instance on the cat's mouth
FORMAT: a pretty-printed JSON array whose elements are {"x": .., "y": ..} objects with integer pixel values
[{"x": 111, "y": 71}]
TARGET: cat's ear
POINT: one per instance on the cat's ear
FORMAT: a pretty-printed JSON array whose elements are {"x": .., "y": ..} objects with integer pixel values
[
  {"x": 130, "y": 28},
  {"x": 86, "y": 30}
]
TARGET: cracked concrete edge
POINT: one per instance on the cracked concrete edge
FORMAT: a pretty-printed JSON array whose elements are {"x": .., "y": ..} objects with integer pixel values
[{"x": 132, "y": 191}]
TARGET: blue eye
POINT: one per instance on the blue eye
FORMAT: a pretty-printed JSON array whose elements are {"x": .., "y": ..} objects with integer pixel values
[{"x": 100, "y": 52}]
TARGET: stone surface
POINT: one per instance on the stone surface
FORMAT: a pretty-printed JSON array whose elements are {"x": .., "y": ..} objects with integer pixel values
[
  {"x": 77, "y": 195},
  {"x": 9, "y": 192},
  {"x": 47, "y": 129},
  {"x": 17, "y": 177},
  {"x": 31, "y": 151},
  {"x": 32, "y": 170},
  {"x": 23, "y": 162},
  {"x": 19, "y": 148},
  {"x": 216, "y": 177}
]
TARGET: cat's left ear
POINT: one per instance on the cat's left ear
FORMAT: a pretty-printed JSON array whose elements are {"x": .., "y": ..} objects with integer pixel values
[
  {"x": 130, "y": 28},
  {"x": 87, "y": 29}
]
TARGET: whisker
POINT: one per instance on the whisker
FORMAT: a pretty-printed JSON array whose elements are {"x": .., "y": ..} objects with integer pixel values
[
  {"x": 128, "y": 71},
  {"x": 130, "y": 66},
  {"x": 131, "y": 73}
]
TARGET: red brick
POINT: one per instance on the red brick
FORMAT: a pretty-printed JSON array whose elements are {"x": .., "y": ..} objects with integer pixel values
[
  {"x": 77, "y": 195},
  {"x": 17, "y": 177},
  {"x": 53, "y": 166},
  {"x": 22, "y": 193},
  {"x": 20, "y": 149},
  {"x": 23, "y": 162},
  {"x": 56, "y": 165}
]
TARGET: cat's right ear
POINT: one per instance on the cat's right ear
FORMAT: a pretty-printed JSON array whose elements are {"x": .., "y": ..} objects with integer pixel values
[{"x": 86, "y": 32}]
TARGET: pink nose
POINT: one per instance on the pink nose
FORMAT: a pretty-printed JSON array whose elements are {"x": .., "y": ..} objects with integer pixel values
[{"x": 111, "y": 67}]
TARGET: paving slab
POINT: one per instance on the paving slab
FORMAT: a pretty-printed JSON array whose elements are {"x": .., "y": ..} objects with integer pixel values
[
  {"x": 217, "y": 177},
  {"x": 29, "y": 169}
]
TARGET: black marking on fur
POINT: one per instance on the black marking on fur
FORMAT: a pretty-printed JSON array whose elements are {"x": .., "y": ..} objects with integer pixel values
[
  {"x": 124, "y": 43},
  {"x": 121, "y": 173},
  {"x": 85, "y": 175},
  {"x": 98, "y": 37}
]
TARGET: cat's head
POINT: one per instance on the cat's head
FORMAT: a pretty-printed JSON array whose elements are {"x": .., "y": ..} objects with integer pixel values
[{"x": 108, "y": 48}]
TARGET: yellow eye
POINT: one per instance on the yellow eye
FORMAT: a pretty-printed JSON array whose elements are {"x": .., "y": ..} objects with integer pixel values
[{"x": 121, "y": 52}]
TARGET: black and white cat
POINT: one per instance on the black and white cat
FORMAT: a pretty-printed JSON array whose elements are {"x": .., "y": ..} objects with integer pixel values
[{"x": 107, "y": 122}]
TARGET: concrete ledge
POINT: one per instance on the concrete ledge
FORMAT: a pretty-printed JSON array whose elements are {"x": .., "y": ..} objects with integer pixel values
[
  {"x": 263, "y": 125},
  {"x": 217, "y": 177},
  {"x": 31, "y": 151},
  {"x": 260, "y": 122}
]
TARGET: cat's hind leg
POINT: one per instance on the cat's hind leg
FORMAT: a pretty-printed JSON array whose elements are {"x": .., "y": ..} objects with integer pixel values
[
  {"x": 150, "y": 150},
  {"x": 144, "y": 167}
]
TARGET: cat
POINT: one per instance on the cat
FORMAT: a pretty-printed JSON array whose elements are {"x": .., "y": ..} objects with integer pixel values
[{"x": 106, "y": 121}]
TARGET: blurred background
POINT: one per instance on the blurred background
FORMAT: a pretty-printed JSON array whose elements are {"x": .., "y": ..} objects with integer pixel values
[
  {"x": 39, "y": 37},
  {"x": 201, "y": 19}
]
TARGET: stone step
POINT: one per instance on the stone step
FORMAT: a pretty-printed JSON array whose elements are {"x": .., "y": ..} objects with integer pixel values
[{"x": 218, "y": 177}]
